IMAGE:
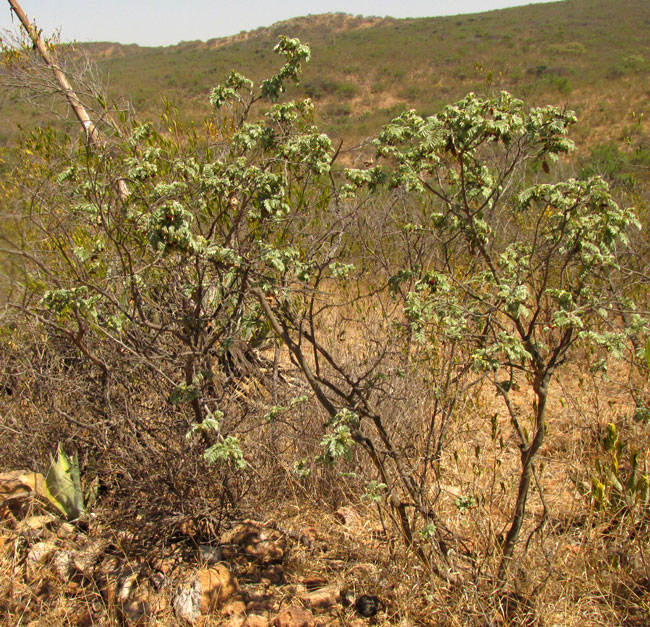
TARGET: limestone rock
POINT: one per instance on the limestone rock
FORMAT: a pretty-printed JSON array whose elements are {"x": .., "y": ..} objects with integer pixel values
[
  {"x": 39, "y": 554},
  {"x": 64, "y": 565},
  {"x": 205, "y": 591},
  {"x": 187, "y": 601},
  {"x": 217, "y": 585}
]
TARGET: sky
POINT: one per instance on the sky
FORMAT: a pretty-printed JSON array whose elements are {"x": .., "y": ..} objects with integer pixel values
[{"x": 167, "y": 22}]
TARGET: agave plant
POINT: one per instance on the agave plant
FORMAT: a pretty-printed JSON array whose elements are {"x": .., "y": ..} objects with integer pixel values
[{"x": 64, "y": 485}]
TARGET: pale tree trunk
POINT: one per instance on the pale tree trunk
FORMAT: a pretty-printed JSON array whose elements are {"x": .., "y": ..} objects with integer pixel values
[
  {"x": 90, "y": 130},
  {"x": 78, "y": 108}
]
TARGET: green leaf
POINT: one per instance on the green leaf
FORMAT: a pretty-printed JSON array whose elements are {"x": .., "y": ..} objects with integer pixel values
[
  {"x": 226, "y": 452},
  {"x": 374, "y": 491}
]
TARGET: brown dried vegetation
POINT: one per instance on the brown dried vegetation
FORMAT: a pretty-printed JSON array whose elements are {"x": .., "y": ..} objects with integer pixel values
[{"x": 161, "y": 508}]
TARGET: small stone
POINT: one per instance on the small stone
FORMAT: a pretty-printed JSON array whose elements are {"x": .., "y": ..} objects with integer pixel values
[
  {"x": 217, "y": 585},
  {"x": 65, "y": 530},
  {"x": 367, "y": 605},
  {"x": 233, "y": 607},
  {"x": 322, "y": 600},
  {"x": 39, "y": 554},
  {"x": 64, "y": 565},
  {"x": 254, "y": 620},
  {"x": 294, "y": 617},
  {"x": 210, "y": 555}
]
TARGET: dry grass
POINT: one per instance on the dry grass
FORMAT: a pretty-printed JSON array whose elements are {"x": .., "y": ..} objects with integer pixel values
[{"x": 575, "y": 565}]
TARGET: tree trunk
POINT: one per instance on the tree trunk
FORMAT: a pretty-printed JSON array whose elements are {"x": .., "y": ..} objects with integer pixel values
[
  {"x": 528, "y": 454},
  {"x": 66, "y": 88}
]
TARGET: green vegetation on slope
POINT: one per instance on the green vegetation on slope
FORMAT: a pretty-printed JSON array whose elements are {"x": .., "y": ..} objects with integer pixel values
[{"x": 591, "y": 55}]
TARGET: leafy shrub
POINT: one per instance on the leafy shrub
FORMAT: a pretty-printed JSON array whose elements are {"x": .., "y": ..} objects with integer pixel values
[{"x": 244, "y": 238}]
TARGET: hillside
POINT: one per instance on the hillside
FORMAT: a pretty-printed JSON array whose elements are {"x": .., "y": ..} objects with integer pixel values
[{"x": 590, "y": 55}]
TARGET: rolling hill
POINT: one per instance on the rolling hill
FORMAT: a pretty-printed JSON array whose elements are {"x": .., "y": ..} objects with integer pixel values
[{"x": 589, "y": 55}]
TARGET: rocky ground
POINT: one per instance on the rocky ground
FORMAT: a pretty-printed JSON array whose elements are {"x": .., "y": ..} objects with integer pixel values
[{"x": 254, "y": 574}]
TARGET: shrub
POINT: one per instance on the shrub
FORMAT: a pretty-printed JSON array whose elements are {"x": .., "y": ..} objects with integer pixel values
[{"x": 243, "y": 237}]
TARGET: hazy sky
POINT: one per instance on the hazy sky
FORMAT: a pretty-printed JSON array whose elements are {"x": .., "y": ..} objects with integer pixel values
[{"x": 165, "y": 22}]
